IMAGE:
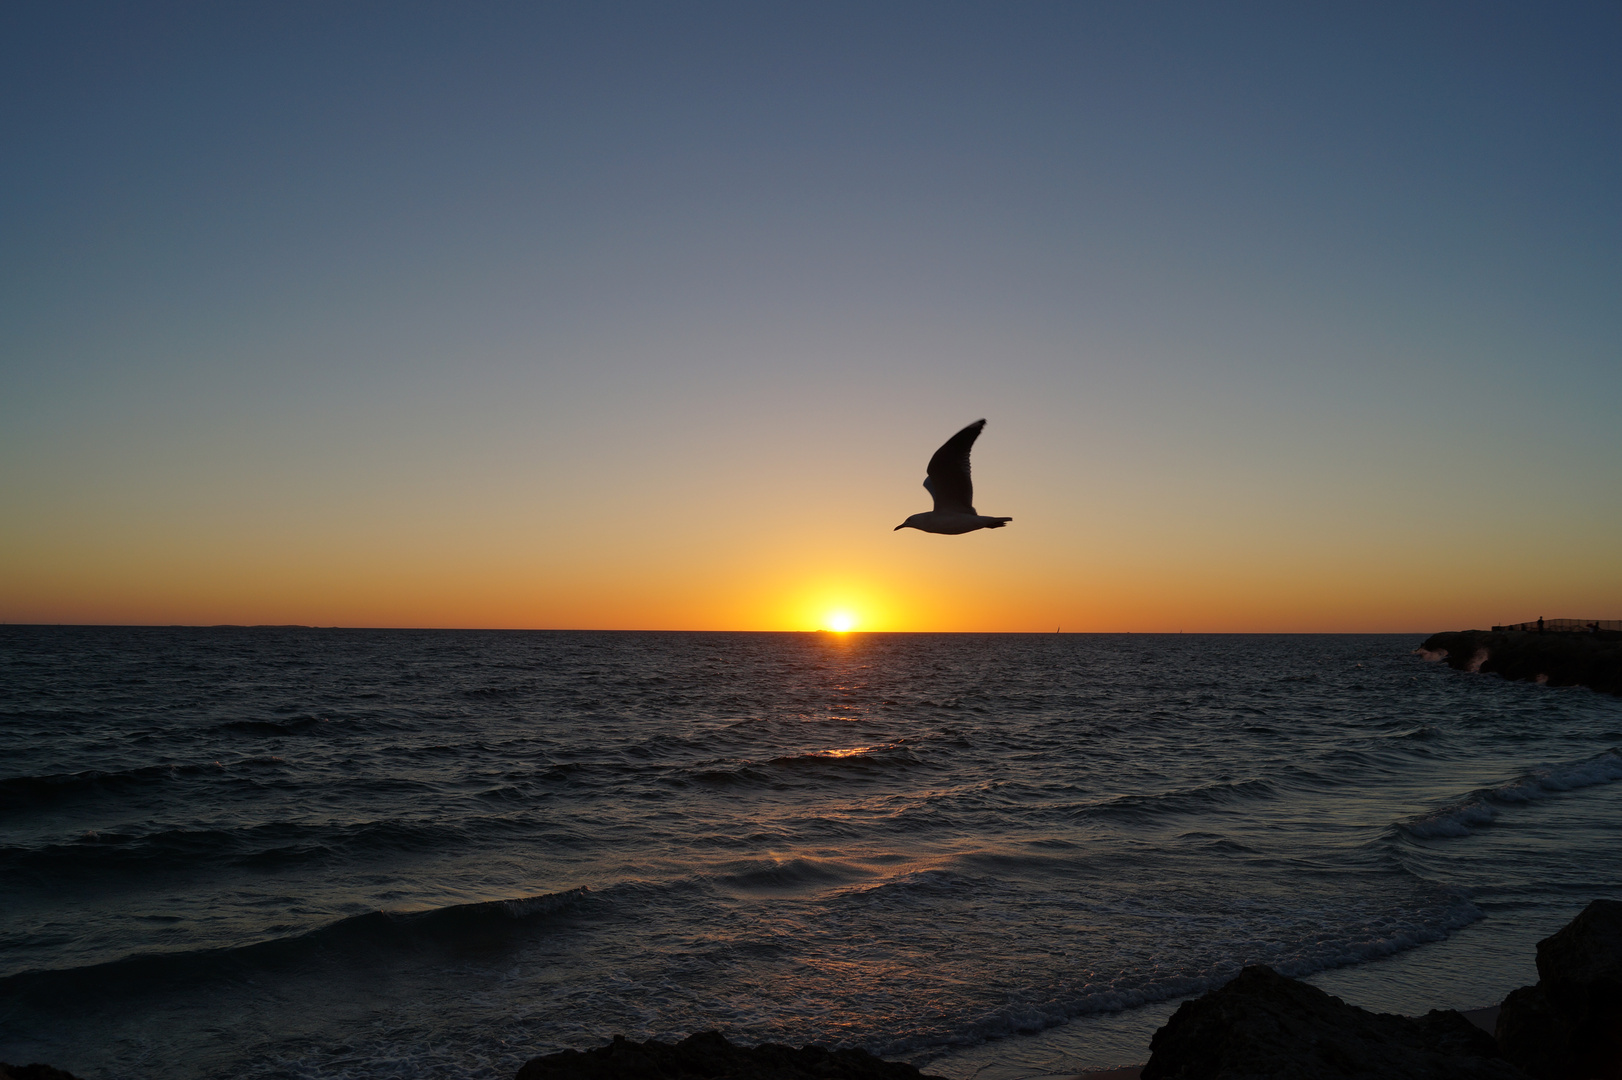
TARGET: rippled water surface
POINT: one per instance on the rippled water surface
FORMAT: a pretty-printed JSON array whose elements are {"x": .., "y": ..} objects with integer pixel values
[{"x": 320, "y": 853}]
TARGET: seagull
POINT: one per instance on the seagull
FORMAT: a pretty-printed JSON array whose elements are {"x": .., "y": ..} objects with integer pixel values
[{"x": 948, "y": 481}]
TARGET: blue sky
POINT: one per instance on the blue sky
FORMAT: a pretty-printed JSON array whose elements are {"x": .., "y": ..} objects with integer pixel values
[{"x": 488, "y": 311}]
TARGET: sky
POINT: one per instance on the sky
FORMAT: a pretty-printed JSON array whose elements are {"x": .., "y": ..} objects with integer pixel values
[{"x": 1283, "y": 317}]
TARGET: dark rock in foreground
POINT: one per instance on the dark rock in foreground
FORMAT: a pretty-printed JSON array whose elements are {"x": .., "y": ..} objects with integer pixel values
[
  {"x": 1569, "y": 1026},
  {"x": 1558, "y": 659},
  {"x": 710, "y": 1055},
  {"x": 1263, "y": 1025},
  {"x": 33, "y": 1072}
]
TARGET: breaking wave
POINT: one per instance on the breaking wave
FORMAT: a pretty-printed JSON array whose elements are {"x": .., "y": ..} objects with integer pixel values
[{"x": 1481, "y": 807}]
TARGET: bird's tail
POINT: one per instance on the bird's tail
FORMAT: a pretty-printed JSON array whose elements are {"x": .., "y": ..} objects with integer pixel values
[{"x": 997, "y": 523}]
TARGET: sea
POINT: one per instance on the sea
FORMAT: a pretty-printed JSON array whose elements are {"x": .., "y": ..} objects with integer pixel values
[{"x": 287, "y": 852}]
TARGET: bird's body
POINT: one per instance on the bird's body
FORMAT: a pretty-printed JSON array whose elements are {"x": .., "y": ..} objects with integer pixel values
[
  {"x": 951, "y": 524},
  {"x": 948, "y": 481}
]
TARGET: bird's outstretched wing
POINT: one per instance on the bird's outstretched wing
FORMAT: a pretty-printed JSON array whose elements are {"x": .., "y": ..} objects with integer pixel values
[{"x": 948, "y": 479}]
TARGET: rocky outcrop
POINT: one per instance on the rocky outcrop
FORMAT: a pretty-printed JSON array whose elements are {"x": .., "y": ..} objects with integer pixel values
[
  {"x": 1569, "y": 1025},
  {"x": 33, "y": 1072},
  {"x": 1263, "y": 1025},
  {"x": 710, "y": 1055},
  {"x": 1558, "y": 659}
]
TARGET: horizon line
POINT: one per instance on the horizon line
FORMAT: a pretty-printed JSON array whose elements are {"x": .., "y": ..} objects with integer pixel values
[{"x": 669, "y": 630}]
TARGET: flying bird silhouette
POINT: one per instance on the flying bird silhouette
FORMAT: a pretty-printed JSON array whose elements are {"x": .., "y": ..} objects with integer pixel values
[{"x": 948, "y": 481}]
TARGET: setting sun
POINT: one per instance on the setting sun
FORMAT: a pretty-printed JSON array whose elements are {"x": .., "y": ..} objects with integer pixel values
[{"x": 841, "y": 621}]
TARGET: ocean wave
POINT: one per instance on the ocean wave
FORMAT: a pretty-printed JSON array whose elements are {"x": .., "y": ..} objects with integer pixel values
[
  {"x": 918, "y": 888},
  {"x": 820, "y": 765},
  {"x": 18, "y": 792},
  {"x": 459, "y": 926},
  {"x": 1481, "y": 807},
  {"x": 1358, "y": 940},
  {"x": 1217, "y": 842},
  {"x": 487, "y": 693},
  {"x": 297, "y": 725},
  {"x": 1424, "y": 732},
  {"x": 273, "y": 844},
  {"x": 1180, "y": 801},
  {"x": 787, "y": 874}
]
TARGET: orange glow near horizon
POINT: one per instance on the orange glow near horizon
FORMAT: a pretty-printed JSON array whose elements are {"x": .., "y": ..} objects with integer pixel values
[
  {"x": 770, "y": 575},
  {"x": 991, "y": 593}
]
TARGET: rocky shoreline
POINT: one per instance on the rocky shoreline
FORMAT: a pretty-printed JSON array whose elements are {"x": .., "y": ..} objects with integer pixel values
[
  {"x": 1260, "y": 1026},
  {"x": 1263, "y": 1025},
  {"x": 1586, "y": 659}
]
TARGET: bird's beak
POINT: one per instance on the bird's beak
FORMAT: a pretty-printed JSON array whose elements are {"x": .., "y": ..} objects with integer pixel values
[{"x": 899, "y": 527}]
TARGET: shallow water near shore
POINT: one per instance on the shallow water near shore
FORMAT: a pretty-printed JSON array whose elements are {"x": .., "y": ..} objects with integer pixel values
[{"x": 285, "y": 852}]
